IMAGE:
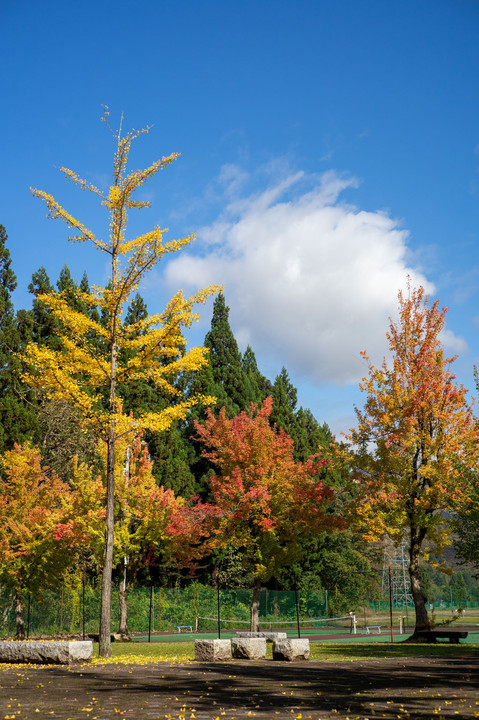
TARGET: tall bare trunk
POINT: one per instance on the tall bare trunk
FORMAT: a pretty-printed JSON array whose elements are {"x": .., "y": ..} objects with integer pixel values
[
  {"x": 105, "y": 612},
  {"x": 123, "y": 590},
  {"x": 254, "y": 610},
  {"x": 19, "y": 619}
]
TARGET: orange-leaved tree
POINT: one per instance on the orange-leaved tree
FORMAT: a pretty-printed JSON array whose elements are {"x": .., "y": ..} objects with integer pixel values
[
  {"x": 143, "y": 514},
  {"x": 30, "y": 509},
  {"x": 97, "y": 358},
  {"x": 264, "y": 502},
  {"x": 415, "y": 426}
]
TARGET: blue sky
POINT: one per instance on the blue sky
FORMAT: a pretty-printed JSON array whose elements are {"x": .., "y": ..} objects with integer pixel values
[{"x": 328, "y": 150}]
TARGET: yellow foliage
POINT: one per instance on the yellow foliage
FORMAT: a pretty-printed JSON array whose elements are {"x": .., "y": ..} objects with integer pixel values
[
  {"x": 86, "y": 370},
  {"x": 97, "y": 358}
]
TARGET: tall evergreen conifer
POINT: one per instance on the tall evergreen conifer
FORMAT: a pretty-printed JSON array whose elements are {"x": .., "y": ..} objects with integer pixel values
[
  {"x": 285, "y": 397},
  {"x": 45, "y": 328},
  {"x": 258, "y": 388},
  {"x": 225, "y": 358},
  {"x": 17, "y": 417}
]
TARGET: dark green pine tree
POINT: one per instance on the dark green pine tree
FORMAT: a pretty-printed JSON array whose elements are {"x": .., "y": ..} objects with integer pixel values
[
  {"x": 69, "y": 288},
  {"x": 171, "y": 453},
  {"x": 285, "y": 397},
  {"x": 137, "y": 310},
  {"x": 258, "y": 388},
  {"x": 234, "y": 381},
  {"x": 301, "y": 425},
  {"x": 18, "y": 417},
  {"x": 85, "y": 288},
  {"x": 45, "y": 328},
  {"x": 225, "y": 360},
  {"x": 310, "y": 438},
  {"x": 139, "y": 395},
  {"x": 310, "y": 435}
]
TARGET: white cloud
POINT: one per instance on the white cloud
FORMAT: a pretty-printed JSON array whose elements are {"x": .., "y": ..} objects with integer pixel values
[
  {"x": 309, "y": 279},
  {"x": 452, "y": 342}
]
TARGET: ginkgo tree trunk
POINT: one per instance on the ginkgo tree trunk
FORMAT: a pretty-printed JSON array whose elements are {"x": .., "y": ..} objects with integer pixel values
[
  {"x": 144, "y": 512},
  {"x": 414, "y": 434},
  {"x": 97, "y": 358}
]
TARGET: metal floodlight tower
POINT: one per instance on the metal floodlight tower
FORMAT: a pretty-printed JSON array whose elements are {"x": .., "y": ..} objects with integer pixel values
[{"x": 395, "y": 557}]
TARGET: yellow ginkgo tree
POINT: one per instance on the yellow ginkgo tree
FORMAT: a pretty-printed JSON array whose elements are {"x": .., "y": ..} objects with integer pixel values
[{"x": 97, "y": 358}]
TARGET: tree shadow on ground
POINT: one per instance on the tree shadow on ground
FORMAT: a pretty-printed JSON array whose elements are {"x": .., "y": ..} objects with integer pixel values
[{"x": 415, "y": 688}]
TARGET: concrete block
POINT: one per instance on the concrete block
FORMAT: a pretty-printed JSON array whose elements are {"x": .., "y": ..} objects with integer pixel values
[
  {"x": 291, "y": 649},
  {"x": 270, "y": 635},
  {"x": 248, "y": 648},
  {"x": 211, "y": 650},
  {"x": 46, "y": 651}
]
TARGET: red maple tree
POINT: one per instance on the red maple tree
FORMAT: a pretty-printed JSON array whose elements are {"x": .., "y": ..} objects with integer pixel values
[{"x": 264, "y": 502}]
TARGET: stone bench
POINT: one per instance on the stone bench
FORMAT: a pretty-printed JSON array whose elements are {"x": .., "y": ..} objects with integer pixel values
[
  {"x": 212, "y": 650},
  {"x": 46, "y": 651},
  {"x": 291, "y": 649},
  {"x": 432, "y": 635},
  {"x": 270, "y": 635},
  {"x": 248, "y": 648}
]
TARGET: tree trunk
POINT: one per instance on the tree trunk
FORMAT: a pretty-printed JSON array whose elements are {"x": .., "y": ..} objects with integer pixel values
[
  {"x": 255, "y": 606},
  {"x": 105, "y": 612},
  {"x": 19, "y": 620},
  {"x": 123, "y": 590},
  {"x": 422, "y": 619}
]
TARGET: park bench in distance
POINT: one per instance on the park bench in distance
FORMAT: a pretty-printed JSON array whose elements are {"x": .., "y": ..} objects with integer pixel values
[{"x": 433, "y": 635}]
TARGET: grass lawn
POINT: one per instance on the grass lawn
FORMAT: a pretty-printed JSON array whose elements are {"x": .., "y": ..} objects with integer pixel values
[{"x": 183, "y": 652}]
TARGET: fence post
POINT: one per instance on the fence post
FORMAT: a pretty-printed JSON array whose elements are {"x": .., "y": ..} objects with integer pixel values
[
  {"x": 391, "y": 605},
  {"x": 149, "y": 619},
  {"x": 219, "y": 607},
  {"x": 28, "y": 616},
  {"x": 195, "y": 614},
  {"x": 83, "y": 601},
  {"x": 297, "y": 608},
  {"x": 61, "y": 613}
]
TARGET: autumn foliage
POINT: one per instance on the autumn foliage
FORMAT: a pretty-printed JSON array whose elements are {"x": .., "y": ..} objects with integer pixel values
[
  {"x": 264, "y": 501},
  {"x": 99, "y": 352},
  {"x": 415, "y": 426},
  {"x": 30, "y": 509}
]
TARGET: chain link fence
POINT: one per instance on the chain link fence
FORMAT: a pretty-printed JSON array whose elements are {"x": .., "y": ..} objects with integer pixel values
[{"x": 72, "y": 611}]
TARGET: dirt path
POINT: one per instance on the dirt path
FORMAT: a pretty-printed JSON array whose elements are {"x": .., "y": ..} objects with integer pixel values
[{"x": 400, "y": 688}]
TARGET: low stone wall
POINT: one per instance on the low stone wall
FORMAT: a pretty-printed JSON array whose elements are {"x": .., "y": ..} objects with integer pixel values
[{"x": 46, "y": 652}]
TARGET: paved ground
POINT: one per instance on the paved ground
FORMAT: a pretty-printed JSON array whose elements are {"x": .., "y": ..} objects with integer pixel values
[{"x": 405, "y": 688}]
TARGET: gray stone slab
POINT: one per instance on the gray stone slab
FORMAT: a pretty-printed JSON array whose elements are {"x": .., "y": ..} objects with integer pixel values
[
  {"x": 291, "y": 649},
  {"x": 212, "y": 650},
  {"x": 46, "y": 651},
  {"x": 248, "y": 648}
]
